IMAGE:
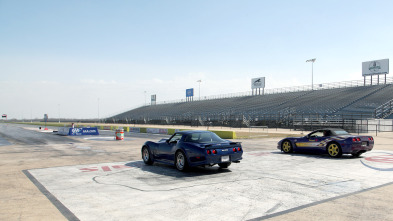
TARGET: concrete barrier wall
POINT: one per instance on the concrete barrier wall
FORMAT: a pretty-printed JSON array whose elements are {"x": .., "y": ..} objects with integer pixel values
[
  {"x": 222, "y": 134},
  {"x": 172, "y": 131},
  {"x": 225, "y": 134},
  {"x": 63, "y": 131},
  {"x": 169, "y": 131}
]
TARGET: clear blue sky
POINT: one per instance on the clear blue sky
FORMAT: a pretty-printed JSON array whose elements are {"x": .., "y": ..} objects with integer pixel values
[{"x": 75, "y": 58}]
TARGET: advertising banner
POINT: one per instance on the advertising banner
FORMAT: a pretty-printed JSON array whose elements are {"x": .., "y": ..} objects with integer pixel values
[
  {"x": 135, "y": 129},
  {"x": 190, "y": 92},
  {"x": 375, "y": 67},
  {"x": 78, "y": 131},
  {"x": 258, "y": 83},
  {"x": 163, "y": 131},
  {"x": 153, "y": 130},
  {"x": 83, "y": 131},
  {"x": 153, "y": 99}
]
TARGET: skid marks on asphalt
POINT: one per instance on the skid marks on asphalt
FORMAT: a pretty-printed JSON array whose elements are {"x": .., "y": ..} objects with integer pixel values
[
  {"x": 263, "y": 183},
  {"x": 4, "y": 142}
]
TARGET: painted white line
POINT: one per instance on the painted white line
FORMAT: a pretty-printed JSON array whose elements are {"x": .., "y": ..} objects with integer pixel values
[
  {"x": 263, "y": 183},
  {"x": 99, "y": 138}
]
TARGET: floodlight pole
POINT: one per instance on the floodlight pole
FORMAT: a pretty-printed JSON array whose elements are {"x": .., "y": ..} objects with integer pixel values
[
  {"x": 59, "y": 113},
  {"x": 145, "y": 98},
  {"x": 199, "y": 81},
  {"x": 312, "y": 76},
  {"x": 98, "y": 109},
  {"x": 312, "y": 72}
]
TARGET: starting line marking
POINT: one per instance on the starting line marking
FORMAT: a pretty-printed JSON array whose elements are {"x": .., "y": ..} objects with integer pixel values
[
  {"x": 381, "y": 159},
  {"x": 262, "y": 185}
]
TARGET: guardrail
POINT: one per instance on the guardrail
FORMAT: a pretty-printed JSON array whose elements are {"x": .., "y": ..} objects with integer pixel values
[{"x": 384, "y": 110}]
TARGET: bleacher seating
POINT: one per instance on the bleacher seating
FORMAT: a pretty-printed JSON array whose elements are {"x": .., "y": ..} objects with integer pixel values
[{"x": 332, "y": 102}]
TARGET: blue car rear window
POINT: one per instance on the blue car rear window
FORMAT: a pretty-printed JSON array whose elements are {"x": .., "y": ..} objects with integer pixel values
[
  {"x": 341, "y": 132},
  {"x": 203, "y": 138}
]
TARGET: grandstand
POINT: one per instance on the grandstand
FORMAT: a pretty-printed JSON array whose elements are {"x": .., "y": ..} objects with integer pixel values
[{"x": 335, "y": 104}]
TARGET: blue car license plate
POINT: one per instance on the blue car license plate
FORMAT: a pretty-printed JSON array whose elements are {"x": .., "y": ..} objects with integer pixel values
[{"x": 224, "y": 158}]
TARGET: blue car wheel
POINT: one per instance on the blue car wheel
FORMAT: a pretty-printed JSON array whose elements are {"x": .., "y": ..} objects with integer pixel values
[
  {"x": 357, "y": 154},
  {"x": 181, "y": 161},
  {"x": 146, "y": 156},
  {"x": 224, "y": 165},
  {"x": 286, "y": 146},
  {"x": 334, "y": 150}
]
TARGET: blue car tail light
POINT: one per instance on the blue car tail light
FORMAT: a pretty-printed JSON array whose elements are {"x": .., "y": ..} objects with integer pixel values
[
  {"x": 211, "y": 151},
  {"x": 237, "y": 149}
]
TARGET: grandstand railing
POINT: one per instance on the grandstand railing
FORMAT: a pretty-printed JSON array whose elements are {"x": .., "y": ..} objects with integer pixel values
[
  {"x": 384, "y": 110},
  {"x": 323, "y": 86},
  {"x": 354, "y": 123}
]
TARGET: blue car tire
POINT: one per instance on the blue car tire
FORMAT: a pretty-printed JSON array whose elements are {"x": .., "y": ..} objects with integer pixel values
[
  {"x": 286, "y": 146},
  {"x": 181, "y": 161},
  {"x": 357, "y": 154},
  {"x": 334, "y": 150},
  {"x": 224, "y": 165},
  {"x": 146, "y": 156}
]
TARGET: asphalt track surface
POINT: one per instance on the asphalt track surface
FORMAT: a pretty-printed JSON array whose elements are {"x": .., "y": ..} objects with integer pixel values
[{"x": 101, "y": 180}]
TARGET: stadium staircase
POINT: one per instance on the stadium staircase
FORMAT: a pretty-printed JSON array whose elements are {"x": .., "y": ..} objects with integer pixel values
[
  {"x": 385, "y": 110},
  {"x": 355, "y": 103},
  {"x": 246, "y": 121}
]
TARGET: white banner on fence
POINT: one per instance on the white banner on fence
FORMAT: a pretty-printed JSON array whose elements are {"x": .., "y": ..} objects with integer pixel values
[{"x": 380, "y": 125}]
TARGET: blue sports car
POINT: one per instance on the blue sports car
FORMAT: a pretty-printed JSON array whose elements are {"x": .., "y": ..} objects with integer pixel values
[
  {"x": 334, "y": 142},
  {"x": 192, "y": 148}
]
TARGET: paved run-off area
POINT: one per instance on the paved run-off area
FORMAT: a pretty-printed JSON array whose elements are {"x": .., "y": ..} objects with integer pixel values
[
  {"x": 263, "y": 184},
  {"x": 48, "y": 177}
]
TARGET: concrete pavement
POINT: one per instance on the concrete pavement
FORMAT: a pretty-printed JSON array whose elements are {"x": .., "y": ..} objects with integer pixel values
[{"x": 367, "y": 199}]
